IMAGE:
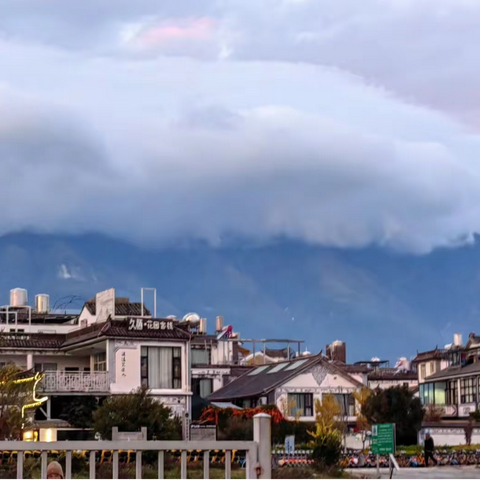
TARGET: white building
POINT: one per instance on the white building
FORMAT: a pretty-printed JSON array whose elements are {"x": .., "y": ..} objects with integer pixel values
[{"x": 293, "y": 386}]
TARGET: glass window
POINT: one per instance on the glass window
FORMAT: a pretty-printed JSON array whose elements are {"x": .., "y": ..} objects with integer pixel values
[
  {"x": 45, "y": 367},
  {"x": 423, "y": 371},
  {"x": 100, "y": 362},
  {"x": 203, "y": 387},
  {"x": 439, "y": 393},
  {"x": 300, "y": 404},
  {"x": 427, "y": 393},
  {"x": 468, "y": 390},
  {"x": 346, "y": 402},
  {"x": 452, "y": 392},
  {"x": 258, "y": 370},
  {"x": 161, "y": 367},
  {"x": 296, "y": 364},
  {"x": 200, "y": 356}
]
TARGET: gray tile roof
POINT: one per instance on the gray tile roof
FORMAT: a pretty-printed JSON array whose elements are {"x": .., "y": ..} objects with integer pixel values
[
  {"x": 249, "y": 385},
  {"x": 457, "y": 371}
]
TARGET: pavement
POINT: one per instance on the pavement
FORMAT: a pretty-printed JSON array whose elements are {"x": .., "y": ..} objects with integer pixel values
[{"x": 432, "y": 472}]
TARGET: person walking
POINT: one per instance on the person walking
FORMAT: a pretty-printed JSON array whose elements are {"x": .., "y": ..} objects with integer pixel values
[
  {"x": 54, "y": 470},
  {"x": 429, "y": 449}
]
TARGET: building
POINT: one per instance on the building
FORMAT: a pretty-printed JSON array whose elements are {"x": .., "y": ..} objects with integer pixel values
[
  {"x": 449, "y": 386},
  {"x": 293, "y": 386}
]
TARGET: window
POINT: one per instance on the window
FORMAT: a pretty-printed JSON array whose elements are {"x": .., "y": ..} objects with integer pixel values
[
  {"x": 346, "y": 402},
  {"x": 300, "y": 404},
  {"x": 432, "y": 368},
  {"x": 295, "y": 365},
  {"x": 452, "y": 392},
  {"x": 200, "y": 356},
  {"x": 202, "y": 387},
  {"x": 72, "y": 369},
  {"x": 277, "y": 368},
  {"x": 439, "y": 393},
  {"x": 161, "y": 367},
  {"x": 426, "y": 393},
  {"x": 45, "y": 367},
  {"x": 423, "y": 371},
  {"x": 100, "y": 362},
  {"x": 468, "y": 390},
  {"x": 258, "y": 370}
]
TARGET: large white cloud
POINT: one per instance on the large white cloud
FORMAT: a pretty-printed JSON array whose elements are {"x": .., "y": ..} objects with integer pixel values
[{"x": 145, "y": 134}]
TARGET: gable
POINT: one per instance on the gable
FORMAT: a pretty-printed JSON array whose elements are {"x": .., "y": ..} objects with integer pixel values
[{"x": 321, "y": 375}]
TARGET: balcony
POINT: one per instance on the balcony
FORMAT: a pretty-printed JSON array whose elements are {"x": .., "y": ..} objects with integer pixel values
[{"x": 75, "y": 382}]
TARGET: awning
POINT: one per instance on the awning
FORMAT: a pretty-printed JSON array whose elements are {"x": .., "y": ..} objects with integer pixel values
[{"x": 226, "y": 405}]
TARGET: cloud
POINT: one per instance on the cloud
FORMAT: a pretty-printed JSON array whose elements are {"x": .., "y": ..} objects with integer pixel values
[{"x": 277, "y": 139}]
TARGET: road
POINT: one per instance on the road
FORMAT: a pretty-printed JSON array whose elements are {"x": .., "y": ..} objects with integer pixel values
[{"x": 433, "y": 472}]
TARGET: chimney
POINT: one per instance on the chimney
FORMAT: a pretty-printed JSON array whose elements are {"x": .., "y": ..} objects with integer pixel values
[{"x": 457, "y": 340}]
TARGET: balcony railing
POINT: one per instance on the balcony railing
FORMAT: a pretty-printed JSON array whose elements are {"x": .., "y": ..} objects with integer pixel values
[{"x": 79, "y": 382}]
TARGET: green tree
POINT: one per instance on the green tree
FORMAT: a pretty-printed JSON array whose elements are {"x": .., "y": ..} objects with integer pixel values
[
  {"x": 15, "y": 393},
  {"x": 78, "y": 411},
  {"x": 132, "y": 411},
  {"x": 396, "y": 405}
]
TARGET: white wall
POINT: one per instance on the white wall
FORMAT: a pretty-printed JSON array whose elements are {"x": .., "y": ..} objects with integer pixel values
[
  {"x": 384, "y": 384},
  {"x": 126, "y": 358},
  {"x": 449, "y": 436}
]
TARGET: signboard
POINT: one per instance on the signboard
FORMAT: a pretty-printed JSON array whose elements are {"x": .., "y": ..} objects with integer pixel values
[
  {"x": 290, "y": 445},
  {"x": 105, "y": 305},
  {"x": 203, "y": 432},
  {"x": 383, "y": 438},
  {"x": 140, "y": 324}
]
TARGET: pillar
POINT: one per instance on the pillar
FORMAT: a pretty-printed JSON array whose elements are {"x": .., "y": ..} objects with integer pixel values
[{"x": 262, "y": 436}]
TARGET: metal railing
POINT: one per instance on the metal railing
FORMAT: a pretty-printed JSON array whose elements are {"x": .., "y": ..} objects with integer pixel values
[
  {"x": 258, "y": 452},
  {"x": 75, "y": 382}
]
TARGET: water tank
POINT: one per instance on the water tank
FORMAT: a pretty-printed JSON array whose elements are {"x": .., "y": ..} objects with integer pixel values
[
  {"x": 202, "y": 328},
  {"x": 191, "y": 317},
  {"x": 42, "y": 303},
  {"x": 457, "y": 339},
  {"x": 18, "y": 297},
  {"x": 219, "y": 324}
]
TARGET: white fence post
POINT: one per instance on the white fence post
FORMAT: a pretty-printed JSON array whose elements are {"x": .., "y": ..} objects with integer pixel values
[{"x": 262, "y": 435}]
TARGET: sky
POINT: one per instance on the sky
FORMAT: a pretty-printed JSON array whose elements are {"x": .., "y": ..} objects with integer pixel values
[{"x": 340, "y": 123}]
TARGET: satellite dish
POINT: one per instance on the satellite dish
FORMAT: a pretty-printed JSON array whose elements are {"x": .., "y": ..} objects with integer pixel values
[{"x": 191, "y": 317}]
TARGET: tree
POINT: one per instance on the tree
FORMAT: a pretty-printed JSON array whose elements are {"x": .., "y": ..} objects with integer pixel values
[
  {"x": 396, "y": 405},
  {"x": 16, "y": 395},
  {"x": 327, "y": 437},
  {"x": 78, "y": 411},
  {"x": 434, "y": 413},
  {"x": 361, "y": 396},
  {"x": 134, "y": 410}
]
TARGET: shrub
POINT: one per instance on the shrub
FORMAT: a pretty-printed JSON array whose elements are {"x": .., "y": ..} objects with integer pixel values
[{"x": 327, "y": 450}]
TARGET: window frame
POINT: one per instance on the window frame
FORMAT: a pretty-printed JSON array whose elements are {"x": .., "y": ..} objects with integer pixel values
[
  {"x": 468, "y": 390},
  {"x": 308, "y": 402},
  {"x": 176, "y": 366}
]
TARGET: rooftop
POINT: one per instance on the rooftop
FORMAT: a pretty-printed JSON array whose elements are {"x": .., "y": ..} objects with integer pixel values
[
  {"x": 123, "y": 307},
  {"x": 456, "y": 371},
  {"x": 262, "y": 379}
]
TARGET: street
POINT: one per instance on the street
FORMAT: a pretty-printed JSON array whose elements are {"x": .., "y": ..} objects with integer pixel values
[{"x": 434, "y": 472}]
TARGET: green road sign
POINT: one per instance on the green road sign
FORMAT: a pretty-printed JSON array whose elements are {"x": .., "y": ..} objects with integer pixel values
[{"x": 383, "y": 438}]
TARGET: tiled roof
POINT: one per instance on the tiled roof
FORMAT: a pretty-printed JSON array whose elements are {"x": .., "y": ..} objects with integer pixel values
[
  {"x": 111, "y": 328},
  {"x": 457, "y": 371},
  {"x": 123, "y": 307},
  {"x": 252, "y": 385},
  {"x": 352, "y": 368},
  {"x": 431, "y": 354},
  {"x": 391, "y": 374},
  {"x": 31, "y": 340}
]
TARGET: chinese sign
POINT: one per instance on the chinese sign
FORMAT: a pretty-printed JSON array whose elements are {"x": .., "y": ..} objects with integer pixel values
[
  {"x": 124, "y": 364},
  {"x": 383, "y": 438},
  {"x": 139, "y": 324}
]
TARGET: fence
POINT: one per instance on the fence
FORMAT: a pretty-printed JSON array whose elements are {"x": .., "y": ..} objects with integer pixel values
[
  {"x": 258, "y": 452},
  {"x": 82, "y": 382}
]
